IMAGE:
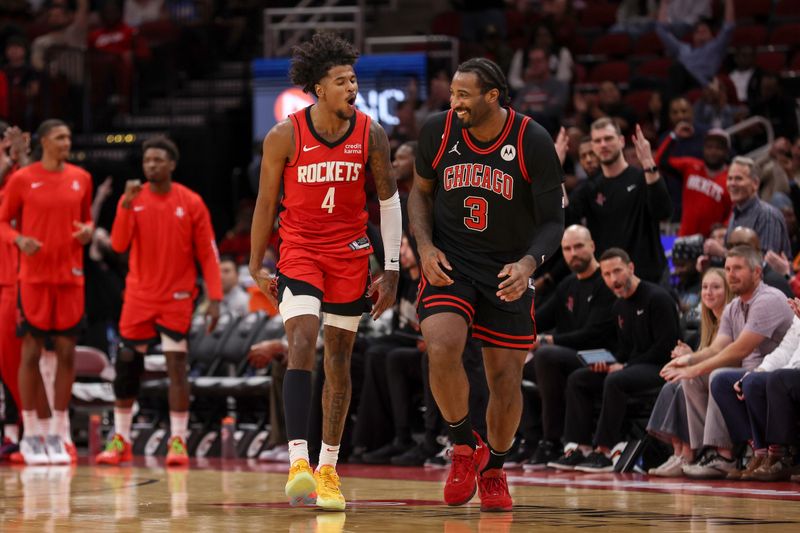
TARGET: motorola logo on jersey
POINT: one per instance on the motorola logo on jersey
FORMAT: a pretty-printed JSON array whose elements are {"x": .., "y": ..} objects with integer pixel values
[
  {"x": 479, "y": 175},
  {"x": 508, "y": 152},
  {"x": 328, "y": 171}
]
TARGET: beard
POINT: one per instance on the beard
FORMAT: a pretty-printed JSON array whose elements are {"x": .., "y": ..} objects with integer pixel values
[
  {"x": 579, "y": 265},
  {"x": 613, "y": 159}
]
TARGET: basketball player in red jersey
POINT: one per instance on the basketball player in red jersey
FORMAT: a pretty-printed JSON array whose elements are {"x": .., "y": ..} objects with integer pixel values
[
  {"x": 319, "y": 156},
  {"x": 167, "y": 228},
  {"x": 13, "y": 155},
  {"x": 51, "y": 200},
  {"x": 486, "y": 209}
]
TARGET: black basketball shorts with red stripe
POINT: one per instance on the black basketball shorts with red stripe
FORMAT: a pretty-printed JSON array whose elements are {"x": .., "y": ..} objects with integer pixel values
[{"x": 494, "y": 322}]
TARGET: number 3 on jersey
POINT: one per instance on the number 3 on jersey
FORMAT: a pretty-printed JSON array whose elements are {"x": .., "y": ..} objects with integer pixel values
[
  {"x": 327, "y": 203},
  {"x": 478, "y": 212}
]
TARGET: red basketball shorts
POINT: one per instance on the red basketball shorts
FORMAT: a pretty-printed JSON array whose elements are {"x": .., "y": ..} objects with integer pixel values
[
  {"x": 51, "y": 309},
  {"x": 143, "y": 321}
]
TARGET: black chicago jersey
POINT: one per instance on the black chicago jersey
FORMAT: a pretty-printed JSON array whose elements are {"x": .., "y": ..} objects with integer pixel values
[{"x": 483, "y": 207}]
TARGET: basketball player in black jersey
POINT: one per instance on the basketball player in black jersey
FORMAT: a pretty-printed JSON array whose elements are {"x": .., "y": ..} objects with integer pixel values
[{"x": 486, "y": 210}]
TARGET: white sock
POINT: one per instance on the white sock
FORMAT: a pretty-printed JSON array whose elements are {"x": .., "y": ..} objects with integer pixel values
[
  {"x": 122, "y": 422},
  {"x": 179, "y": 423},
  {"x": 328, "y": 455},
  {"x": 30, "y": 423},
  {"x": 298, "y": 449},
  {"x": 59, "y": 425},
  {"x": 44, "y": 426},
  {"x": 11, "y": 432}
]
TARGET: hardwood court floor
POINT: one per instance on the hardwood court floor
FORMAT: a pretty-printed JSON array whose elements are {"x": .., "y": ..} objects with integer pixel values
[{"x": 240, "y": 496}]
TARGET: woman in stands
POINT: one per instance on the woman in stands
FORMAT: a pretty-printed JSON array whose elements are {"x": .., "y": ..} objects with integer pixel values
[{"x": 668, "y": 420}]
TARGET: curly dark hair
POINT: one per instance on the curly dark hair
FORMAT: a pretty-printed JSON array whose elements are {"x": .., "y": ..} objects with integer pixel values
[
  {"x": 164, "y": 143},
  {"x": 312, "y": 60}
]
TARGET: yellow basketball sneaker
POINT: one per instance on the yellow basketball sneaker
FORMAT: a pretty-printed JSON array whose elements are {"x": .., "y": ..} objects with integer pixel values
[
  {"x": 329, "y": 497},
  {"x": 301, "y": 484}
]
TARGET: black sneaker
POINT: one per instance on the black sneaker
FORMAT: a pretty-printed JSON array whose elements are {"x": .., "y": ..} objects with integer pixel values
[
  {"x": 596, "y": 462},
  {"x": 569, "y": 460},
  {"x": 414, "y": 456},
  {"x": 384, "y": 454},
  {"x": 518, "y": 457},
  {"x": 547, "y": 452}
]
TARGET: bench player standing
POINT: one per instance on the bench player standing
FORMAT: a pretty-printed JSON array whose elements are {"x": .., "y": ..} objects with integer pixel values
[
  {"x": 486, "y": 209},
  {"x": 319, "y": 156},
  {"x": 51, "y": 200},
  {"x": 167, "y": 228}
]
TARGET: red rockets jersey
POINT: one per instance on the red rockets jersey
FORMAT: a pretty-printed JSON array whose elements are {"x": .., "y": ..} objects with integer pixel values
[
  {"x": 165, "y": 234},
  {"x": 324, "y": 201},
  {"x": 9, "y": 253},
  {"x": 705, "y": 199},
  {"x": 46, "y": 204}
]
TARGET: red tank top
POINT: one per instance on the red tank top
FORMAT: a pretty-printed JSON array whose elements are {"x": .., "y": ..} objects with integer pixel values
[{"x": 324, "y": 201}]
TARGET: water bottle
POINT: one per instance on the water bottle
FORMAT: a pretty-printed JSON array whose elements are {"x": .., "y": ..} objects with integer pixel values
[
  {"x": 226, "y": 435},
  {"x": 94, "y": 434}
]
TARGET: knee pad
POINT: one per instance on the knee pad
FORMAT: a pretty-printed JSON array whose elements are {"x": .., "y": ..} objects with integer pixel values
[{"x": 129, "y": 367}]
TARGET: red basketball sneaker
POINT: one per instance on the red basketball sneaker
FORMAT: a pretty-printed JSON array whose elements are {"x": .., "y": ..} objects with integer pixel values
[
  {"x": 494, "y": 491},
  {"x": 72, "y": 451},
  {"x": 176, "y": 452},
  {"x": 461, "y": 484},
  {"x": 117, "y": 451}
]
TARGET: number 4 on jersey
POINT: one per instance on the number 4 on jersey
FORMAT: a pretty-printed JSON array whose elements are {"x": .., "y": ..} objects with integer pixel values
[
  {"x": 327, "y": 203},
  {"x": 478, "y": 211}
]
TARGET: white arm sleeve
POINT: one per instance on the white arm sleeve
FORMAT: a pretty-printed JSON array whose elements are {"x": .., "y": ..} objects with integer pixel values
[{"x": 391, "y": 231}]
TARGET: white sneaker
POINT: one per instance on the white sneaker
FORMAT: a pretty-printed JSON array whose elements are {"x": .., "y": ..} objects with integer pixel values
[
  {"x": 672, "y": 467},
  {"x": 33, "y": 451},
  {"x": 57, "y": 451},
  {"x": 277, "y": 454},
  {"x": 711, "y": 466}
]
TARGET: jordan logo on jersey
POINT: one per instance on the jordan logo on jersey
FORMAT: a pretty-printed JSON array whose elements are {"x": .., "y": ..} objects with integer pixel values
[
  {"x": 454, "y": 149},
  {"x": 479, "y": 175},
  {"x": 328, "y": 171}
]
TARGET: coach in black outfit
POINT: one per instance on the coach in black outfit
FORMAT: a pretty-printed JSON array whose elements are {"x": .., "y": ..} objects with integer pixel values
[
  {"x": 580, "y": 318},
  {"x": 624, "y": 206},
  {"x": 647, "y": 331}
]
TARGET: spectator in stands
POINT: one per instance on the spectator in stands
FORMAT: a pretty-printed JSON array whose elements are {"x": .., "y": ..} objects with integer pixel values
[
  {"x": 138, "y": 12},
  {"x": 704, "y": 194},
  {"x": 438, "y": 97},
  {"x": 775, "y": 271},
  {"x": 647, "y": 329},
  {"x": 542, "y": 97},
  {"x": 589, "y": 162},
  {"x": 696, "y": 63},
  {"x": 111, "y": 61},
  {"x": 406, "y": 128},
  {"x": 607, "y": 103},
  {"x": 752, "y": 325},
  {"x": 776, "y": 170},
  {"x": 559, "y": 59},
  {"x": 624, "y": 206},
  {"x": 68, "y": 30},
  {"x": 712, "y": 109},
  {"x": 476, "y": 15},
  {"x": 668, "y": 420},
  {"x": 559, "y": 17},
  {"x": 752, "y": 212},
  {"x": 760, "y": 407},
  {"x": 493, "y": 46},
  {"x": 746, "y": 75},
  {"x": 686, "y": 279},
  {"x": 23, "y": 84},
  {"x": 683, "y": 15},
  {"x": 234, "y": 298},
  {"x": 776, "y": 106},
  {"x": 578, "y": 317},
  {"x": 236, "y": 241},
  {"x": 403, "y": 164},
  {"x": 635, "y": 17},
  {"x": 375, "y": 408}
]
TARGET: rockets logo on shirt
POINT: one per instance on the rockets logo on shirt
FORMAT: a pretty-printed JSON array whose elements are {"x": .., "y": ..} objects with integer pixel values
[
  {"x": 705, "y": 186},
  {"x": 329, "y": 171},
  {"x": 479, "y": 175}
]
